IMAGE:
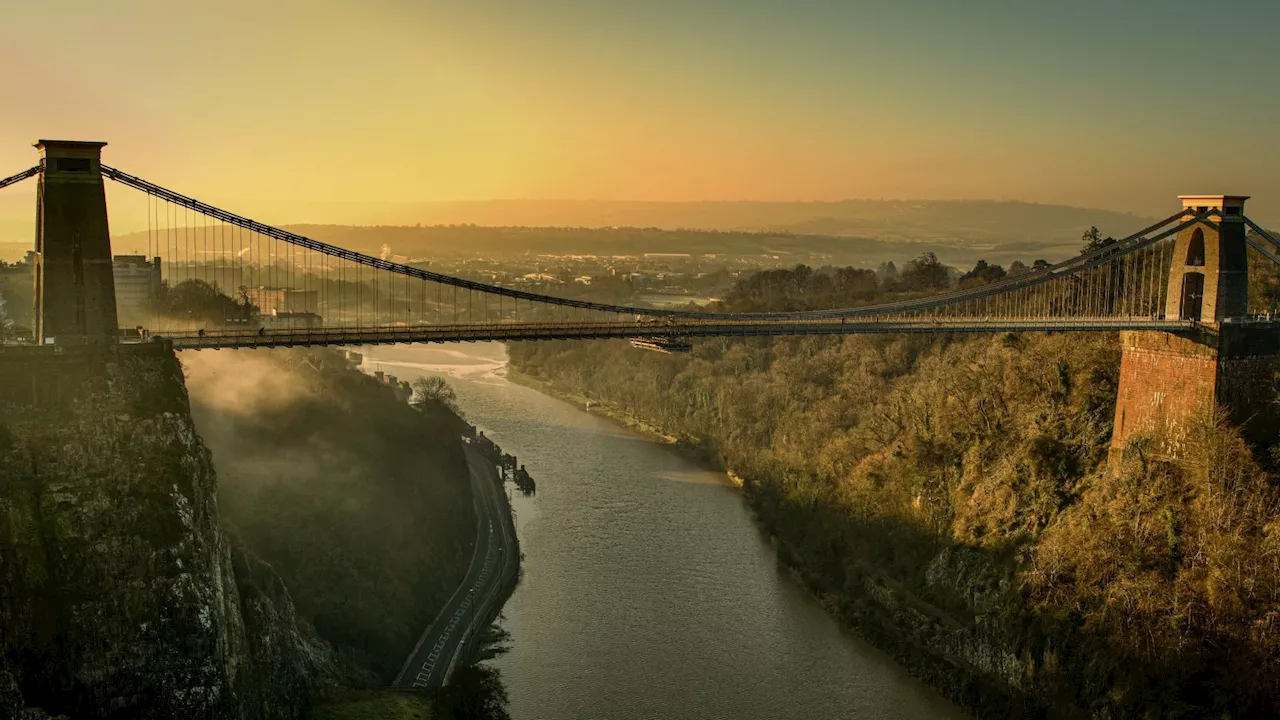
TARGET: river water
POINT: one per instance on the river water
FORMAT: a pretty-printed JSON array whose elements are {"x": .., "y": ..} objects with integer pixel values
[{"x": 648, "y": 589}]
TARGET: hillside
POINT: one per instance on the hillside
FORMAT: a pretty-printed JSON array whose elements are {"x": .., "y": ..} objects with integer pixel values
[
  {"x": 123, "y": 597},
  {"x": 844, "y": 229},
  {"x": 860, "y": 232},
  {"x": 950, "y": 499},
  {"x": 970, "y": 221},
  {"x": 360, "y": 503},
  {"x": 239, "y": 550}
]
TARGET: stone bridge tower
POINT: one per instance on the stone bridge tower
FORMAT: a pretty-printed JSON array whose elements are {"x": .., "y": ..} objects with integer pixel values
[
  {"x": 75, "y": 299},
  {"x": 1170, "y": 380}
]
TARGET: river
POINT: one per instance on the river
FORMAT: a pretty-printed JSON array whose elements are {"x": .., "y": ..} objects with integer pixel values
[{"x": 649, "y": 591}]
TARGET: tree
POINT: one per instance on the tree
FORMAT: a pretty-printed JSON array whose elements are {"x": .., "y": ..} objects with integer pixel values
[
  {"x": 434, "y": 390},
  {"x": 1017, "y": 267},
  {"x": 1264, "y": 284},
  {"x": 6, "y": 325},
  {"x": 855, "y": 281},
  {"x": 1093, "y": 240},
  {"x": 198, "y": 301},
  {"x": 981, "y": 274},
  {"x": 925, "y": 273},
  {"x": 474, "y": 692}
]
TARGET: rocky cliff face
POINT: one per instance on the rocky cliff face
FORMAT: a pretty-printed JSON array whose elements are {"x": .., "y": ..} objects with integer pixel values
[{"x": 120, "y": 594}]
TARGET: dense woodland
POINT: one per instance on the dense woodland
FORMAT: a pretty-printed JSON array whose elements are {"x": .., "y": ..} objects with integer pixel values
[
  {"x": 360, "y": 502},
  {"x": 966, "y": 478}
]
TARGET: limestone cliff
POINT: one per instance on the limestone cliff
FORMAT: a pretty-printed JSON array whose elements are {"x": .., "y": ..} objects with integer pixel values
[{"x": 120, "y": 595}]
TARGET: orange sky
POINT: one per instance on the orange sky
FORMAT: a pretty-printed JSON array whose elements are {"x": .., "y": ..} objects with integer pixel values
[{"x": 263, "y": 106}]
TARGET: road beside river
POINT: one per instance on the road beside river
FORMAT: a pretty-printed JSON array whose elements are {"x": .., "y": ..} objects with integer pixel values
[
  {"x": 494, "y": 560},
  {"x": 648, "y": 589}
]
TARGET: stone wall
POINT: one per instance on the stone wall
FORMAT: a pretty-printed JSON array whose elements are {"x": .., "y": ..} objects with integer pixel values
[{"x": 1167, "y": 379}]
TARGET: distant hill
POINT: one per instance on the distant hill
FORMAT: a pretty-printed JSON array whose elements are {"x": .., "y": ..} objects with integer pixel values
[
  {"x": 845, "y": 231},
  {"x": 854, "y": 231},
  {"x": 460, "y": 241},
  {"x": 966, "y": 222},
  {"x": 468, "y": 240}
]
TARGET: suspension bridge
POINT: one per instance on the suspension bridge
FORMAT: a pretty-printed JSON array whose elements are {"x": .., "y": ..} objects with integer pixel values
[
  {"x": 1178, "y": 289},
  {"x": 1186, "y": 271}
]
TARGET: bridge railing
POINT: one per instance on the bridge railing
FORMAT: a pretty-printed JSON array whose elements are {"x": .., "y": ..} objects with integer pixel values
[{"x": 697, "y": 328}]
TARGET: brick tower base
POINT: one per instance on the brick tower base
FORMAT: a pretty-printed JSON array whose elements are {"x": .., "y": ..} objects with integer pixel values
[{"x": 1169, "y": 381}]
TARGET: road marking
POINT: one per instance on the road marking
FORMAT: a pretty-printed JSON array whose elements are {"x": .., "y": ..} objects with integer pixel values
[
  {"x": 476, "y": 503},
  {"x": 486, "y": 501}
]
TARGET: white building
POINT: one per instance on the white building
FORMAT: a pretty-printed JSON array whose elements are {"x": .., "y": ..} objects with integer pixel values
[{"x": 137, "y": 286}]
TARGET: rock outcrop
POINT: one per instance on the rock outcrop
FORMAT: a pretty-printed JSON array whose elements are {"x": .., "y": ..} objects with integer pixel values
[{"x": 120, "y": 597}]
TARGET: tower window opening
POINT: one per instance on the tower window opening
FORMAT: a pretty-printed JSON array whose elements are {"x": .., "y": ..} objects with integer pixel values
[
  {"x": 1195, "y": 249},
  {"x": 74, "y": 165}
]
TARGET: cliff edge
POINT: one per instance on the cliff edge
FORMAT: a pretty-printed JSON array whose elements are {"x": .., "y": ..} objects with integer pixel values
[{"x": 119, "y": 596}]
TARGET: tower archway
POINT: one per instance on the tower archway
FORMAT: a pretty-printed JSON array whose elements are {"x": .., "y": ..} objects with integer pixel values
[{"x": 1195, "y": 249}]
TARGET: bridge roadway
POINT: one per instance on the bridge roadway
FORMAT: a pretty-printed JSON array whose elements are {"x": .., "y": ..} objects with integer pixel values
[
  {"x": 449, "y": 638},
  {"x": 215, "y": 339}
]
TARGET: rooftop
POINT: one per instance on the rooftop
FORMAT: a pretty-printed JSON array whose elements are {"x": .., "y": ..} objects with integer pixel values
[
  {"x": 1218, "y": 202},
  {"x": 69, "y": 144}
]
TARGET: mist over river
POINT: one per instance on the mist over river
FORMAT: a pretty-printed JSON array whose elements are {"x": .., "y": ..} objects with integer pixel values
[{"x": 648, "y": 589}]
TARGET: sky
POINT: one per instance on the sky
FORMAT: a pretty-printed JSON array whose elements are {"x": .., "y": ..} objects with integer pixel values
[{"x": 258, "y": 106}]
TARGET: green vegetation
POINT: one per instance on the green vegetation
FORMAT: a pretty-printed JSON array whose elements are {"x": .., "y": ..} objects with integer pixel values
[
  {"x": 474, "y": 693},
  {"x": 430, "y": 394},
  {"x": 950, "y": 499},
  {"x": 6, "y": 323},
  {"x": 1093, "y": 240},
  {"x": 361, "y": 504},
  {"x": 389, "y": 705},
  {"x": 349, "y": 515},
  {"x": 118, "y": 595},
  {"x": 15, "y": 301},
  {"x": 804, "y": 288},
  {"x": 1264, "y": 282},
  {"x": 199, "y": 302}
]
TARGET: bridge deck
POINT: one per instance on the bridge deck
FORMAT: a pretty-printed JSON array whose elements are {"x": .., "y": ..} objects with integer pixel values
[
  {"x": 213, "y": 339},
  {"x": 1122, "y": 285}
]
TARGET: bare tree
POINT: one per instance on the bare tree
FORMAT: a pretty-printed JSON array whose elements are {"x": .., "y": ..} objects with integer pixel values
[{"x": 435, "y": 389}]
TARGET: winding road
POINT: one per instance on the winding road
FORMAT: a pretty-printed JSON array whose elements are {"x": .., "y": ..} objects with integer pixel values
[{"x": 494, "y": 560}]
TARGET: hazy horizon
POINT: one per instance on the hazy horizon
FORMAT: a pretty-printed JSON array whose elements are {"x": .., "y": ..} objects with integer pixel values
[
  {"x": 1006, "y": 227},
  {"x": 260, "y": 108}
]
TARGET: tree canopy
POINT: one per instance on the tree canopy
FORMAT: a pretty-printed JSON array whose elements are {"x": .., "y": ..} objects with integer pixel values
[
  {"x": 981, "y": 274},
  {"x": 434, "y": 390},
  {"x": 1093, "y": 240},
  {"x": 198, "y": 301},
  {"x": 968, "y": 477}
]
